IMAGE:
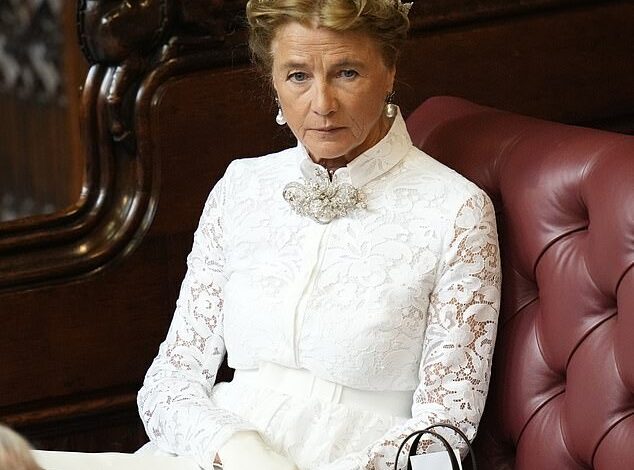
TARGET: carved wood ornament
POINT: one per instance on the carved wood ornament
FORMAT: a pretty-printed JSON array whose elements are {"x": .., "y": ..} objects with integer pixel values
[{"x": 133, "y": 48}]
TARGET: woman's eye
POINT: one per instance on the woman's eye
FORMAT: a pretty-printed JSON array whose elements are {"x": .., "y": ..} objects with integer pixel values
[
  {"x": 297, "y": 76},
  {"x": 349, "y": 73}
]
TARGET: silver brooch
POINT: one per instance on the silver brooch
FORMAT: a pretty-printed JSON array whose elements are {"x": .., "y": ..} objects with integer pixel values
[{"x": 321, "y": 199}]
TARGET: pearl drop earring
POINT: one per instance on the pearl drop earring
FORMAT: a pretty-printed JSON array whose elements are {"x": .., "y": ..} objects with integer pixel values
[
  {"x": 390, "y": 108},
  {"x": 280, "y": 119}
]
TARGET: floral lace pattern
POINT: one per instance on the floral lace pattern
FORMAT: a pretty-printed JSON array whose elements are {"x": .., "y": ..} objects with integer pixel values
[
  {"x": 400, "y": 296},
  {"x": 460, "y": 335},
  {"x": 174, "y": 401}
]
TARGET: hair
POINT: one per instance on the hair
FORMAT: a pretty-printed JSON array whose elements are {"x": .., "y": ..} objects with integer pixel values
[
  {"x": 382, "y": 20},
  {"x": 15, "y": 451}
]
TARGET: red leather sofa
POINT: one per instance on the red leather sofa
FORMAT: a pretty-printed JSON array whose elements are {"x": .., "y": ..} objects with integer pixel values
[{"x": 562, "y": 390}]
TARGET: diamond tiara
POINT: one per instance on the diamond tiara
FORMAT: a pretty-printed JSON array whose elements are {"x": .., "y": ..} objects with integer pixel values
[{"x": 403, "y": 7}]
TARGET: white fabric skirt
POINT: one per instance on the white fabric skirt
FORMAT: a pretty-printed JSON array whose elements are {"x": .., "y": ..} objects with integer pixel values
[{"x": 312, "y": 421}]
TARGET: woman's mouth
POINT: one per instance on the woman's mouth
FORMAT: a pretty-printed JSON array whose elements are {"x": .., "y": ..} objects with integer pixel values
[{"x": 327, "y": 130}]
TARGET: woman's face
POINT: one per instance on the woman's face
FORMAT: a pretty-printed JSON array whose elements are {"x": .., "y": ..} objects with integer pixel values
[{"x": 332, "y": 88}]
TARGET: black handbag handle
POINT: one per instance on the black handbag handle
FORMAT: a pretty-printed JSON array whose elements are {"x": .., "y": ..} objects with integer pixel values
[
  {"x": 440, "y": 437},
  {"x": 418, "y": 435}
]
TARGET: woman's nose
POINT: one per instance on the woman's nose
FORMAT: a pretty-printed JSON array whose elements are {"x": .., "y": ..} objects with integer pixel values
[{"x": 324, "y": 100}]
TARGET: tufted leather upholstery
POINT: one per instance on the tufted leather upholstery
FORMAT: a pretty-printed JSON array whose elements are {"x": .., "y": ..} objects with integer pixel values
[{"x": 562, "y": 391}]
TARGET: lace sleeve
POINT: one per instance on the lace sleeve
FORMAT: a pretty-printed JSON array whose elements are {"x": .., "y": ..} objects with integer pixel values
[
  {"x": 458, "y": 345},
  {"x": 174, "y": 400}
]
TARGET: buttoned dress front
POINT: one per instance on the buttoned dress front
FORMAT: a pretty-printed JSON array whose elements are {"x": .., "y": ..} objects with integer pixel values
[{"x": 399, "y": 297}]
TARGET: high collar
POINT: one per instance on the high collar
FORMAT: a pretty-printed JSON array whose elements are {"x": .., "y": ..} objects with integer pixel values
[{"x": 372, "y": 163}]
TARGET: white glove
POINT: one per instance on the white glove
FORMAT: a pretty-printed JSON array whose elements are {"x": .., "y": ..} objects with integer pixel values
[{"x": 246, "y": 450}]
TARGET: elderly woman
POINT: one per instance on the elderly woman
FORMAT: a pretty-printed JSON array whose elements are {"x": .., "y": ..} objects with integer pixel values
[{"x": 352, "y": 280}]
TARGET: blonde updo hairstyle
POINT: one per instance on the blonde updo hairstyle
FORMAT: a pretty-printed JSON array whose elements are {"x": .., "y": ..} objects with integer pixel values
[{"x": 381, "y": 20}]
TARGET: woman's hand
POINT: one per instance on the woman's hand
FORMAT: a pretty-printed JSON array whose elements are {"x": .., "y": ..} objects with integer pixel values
[{"x": 246, "y": 450}]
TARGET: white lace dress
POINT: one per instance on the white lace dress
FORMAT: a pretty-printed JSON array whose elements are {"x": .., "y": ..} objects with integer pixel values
[{"x": 400, "y": 296}]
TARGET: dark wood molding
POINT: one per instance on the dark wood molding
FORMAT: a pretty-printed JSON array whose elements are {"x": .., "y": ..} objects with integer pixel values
[
  {"x": 113, "y": 212},
  {"x": 36, "y": 415},
  {"x": 117, "y": 202},
  {"x": 110, "y": 416}
]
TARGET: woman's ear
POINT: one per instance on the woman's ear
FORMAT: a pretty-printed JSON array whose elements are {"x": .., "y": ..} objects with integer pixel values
[
  {"x": 273, "y": 87},
  {"x": 391, "y": 78}
]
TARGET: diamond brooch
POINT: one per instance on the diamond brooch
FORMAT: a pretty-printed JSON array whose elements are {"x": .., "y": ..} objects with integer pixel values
[{"x": 321, "y": 199}]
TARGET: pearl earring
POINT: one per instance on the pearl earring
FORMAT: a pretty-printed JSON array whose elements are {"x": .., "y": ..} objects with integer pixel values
[
  {"x": 280, "y": 119},
  {"x": 390, "y": 108}
]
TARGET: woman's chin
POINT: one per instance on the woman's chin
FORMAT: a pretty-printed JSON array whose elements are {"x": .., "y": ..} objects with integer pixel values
[{"x": 330, "y": 152}]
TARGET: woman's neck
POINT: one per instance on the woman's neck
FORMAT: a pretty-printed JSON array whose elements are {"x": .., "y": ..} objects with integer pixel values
[{"x": 333, "y": 164}]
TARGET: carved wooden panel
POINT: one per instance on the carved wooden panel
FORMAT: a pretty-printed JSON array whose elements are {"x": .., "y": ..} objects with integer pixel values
[{"x": 573, "y": 66}]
